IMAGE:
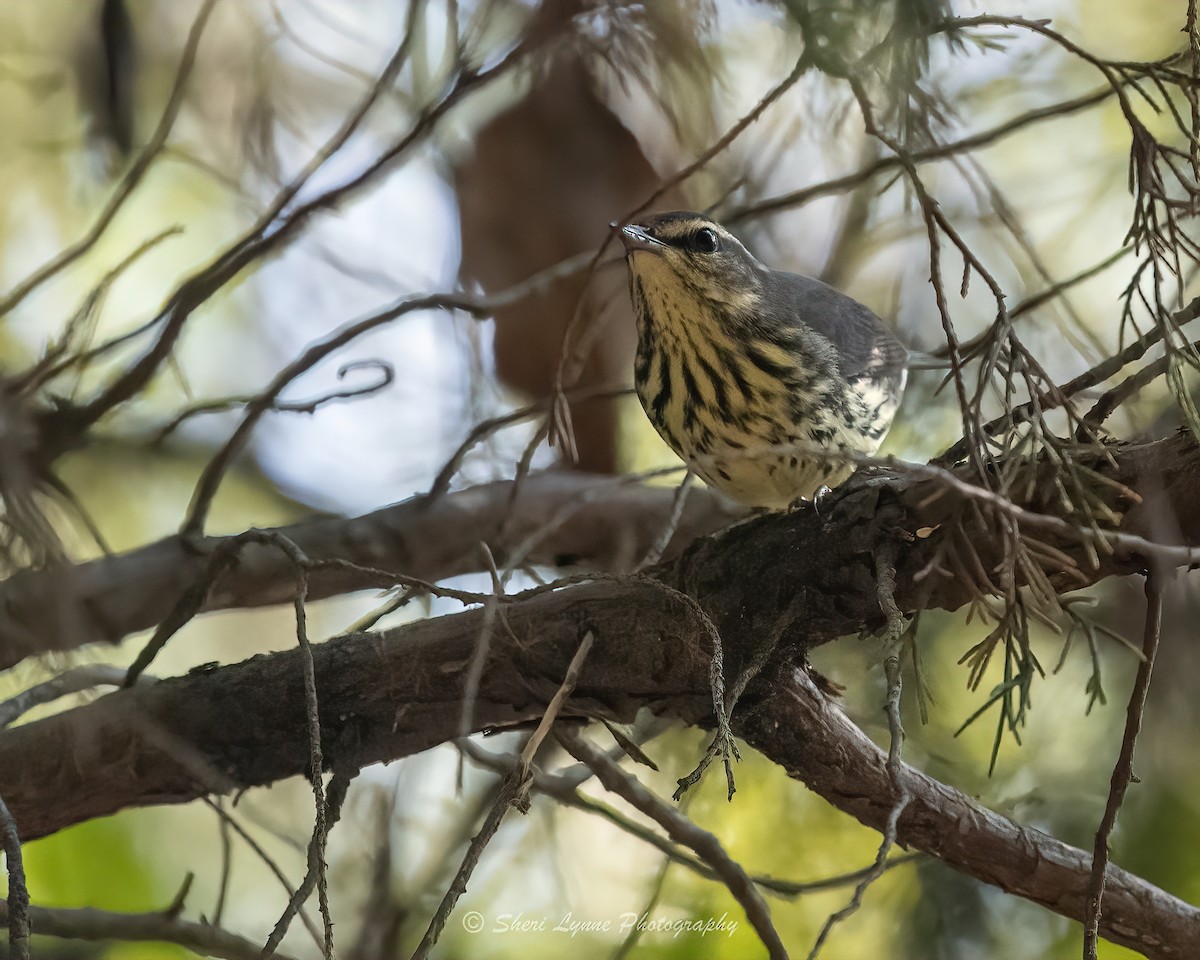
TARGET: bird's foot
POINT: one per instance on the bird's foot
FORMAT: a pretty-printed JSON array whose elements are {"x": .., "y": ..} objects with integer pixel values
[{"x": 814, "y": 503}]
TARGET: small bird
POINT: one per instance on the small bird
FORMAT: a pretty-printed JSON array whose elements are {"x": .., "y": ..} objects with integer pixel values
[{"x": 766, "y": 383}]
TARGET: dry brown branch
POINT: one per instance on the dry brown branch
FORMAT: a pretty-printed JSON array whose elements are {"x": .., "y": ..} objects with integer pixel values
[
  {"x": 71, "y": 681},
  {"x": 326, "y": 817},
  {"x": 645, "y": 656},
  {"x": 133, "y": 176},
  {"x": 565, "y": 791},
  {"x": 650, "y": 651},
  {"x": 890, "y": 164},
  {"x": 232, "y": 824},
  {"x": 105, "y": 600},
  {"x": 1108, "y": 367},
  {"x": 97, "y": 926},
  {"x": 885, "y": 571},
  {"x": 514, "y": 792},
  {"x": 386, "y": 376},
  {"x": 17, "y": 905},
  {"x": 682, "y": 830},
  {"x": 1122, "y": 774}
]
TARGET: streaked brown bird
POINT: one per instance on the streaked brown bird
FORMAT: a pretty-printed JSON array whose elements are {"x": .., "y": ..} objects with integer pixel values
[{"x": 766, "y": 383}]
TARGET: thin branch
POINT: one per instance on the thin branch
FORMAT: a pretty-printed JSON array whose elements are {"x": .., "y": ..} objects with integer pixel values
[
  {"x": 479, "y": 307},
  {"x": 514, "y": 792},
  {"x": 133, "y": 176},
  {"x": 18, "y": 893},
  {"x": 565, "y": 791},
  {"x": 657, "y": 887},
  {"x": 270, "y": 864},
  {"x": 682, "y": 830},
  {"x": 1122, "y": 774},
  {"x": 486, "y": 428},
  {"x": 890, "y": 164},
  {"x": 654, "y": 554},
  {"x": 192, "y": 599},
  {"x": 885, "y": 572},
  {"x": 312, "y": 710},
  {"x": 339, "y": 784},
  {"x": 1085, "y": 381},
  {"x": 98, "y": 926},
  {"x": 71, "y": 681},
  {"x": 387, "y": 376},
  {"x": 59, "y": 357},
  {"x": 226, "y": 834},
  {"x": 1112, "y": 398}
]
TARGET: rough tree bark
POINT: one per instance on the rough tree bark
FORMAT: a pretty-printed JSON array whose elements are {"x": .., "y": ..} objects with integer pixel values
[{"x": 793, "y": 580}]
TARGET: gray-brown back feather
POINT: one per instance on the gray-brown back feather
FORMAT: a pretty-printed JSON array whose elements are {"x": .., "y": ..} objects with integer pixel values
[{"x": 861, "y": 340}]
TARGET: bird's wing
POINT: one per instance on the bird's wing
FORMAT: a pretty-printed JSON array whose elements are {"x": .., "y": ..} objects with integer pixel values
[{"x": 862, "y": 342}]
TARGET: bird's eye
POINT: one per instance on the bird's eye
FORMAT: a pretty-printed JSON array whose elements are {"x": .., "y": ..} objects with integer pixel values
[{"x": 705, "y": 240}]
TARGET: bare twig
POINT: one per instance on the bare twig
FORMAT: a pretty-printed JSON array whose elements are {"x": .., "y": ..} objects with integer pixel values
[
  {"x": 635, "y": 931},
  {"x": 486, "y": 428},
  {"x": 60, "y": 357},
  {"x": 339, "y": 784},
  {"x": 315, "y": 760},
  {"x": 1122, "y": 774},
  {"x": 193, "y": 598},
  {"x": 885, "y": 572},
  {"x": 1085, "y": 381},
  {"x": 890, "y": 164},
  {"x": 386, "y": 377},
  {"x": 479, "y": 654},
  {"x": 654, "y": 554},
  {"x": 682, "y": 830},
  {"x": 18, "y": 892},
  {"x": 723, "y": 744},
  {"x": 1117, "y": 395},
  {"x": 71, "y": 681},
  {"x": 226, "y": 834},
  {"x": 479, "y": 307},
  {"x": 270, "y": 864},
  {"x": 514, "y": 792},
  {"x": 97, "y": 926},
  {"x": 133, "y": 176},
  {"x": 564, "y": 790}
]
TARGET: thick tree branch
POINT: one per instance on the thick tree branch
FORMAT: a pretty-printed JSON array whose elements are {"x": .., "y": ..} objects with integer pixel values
[
  {"x": 791, "y": 581},
  {"x": 610, "y": 525},
  {"x": 798, "y": 727},
  {"x": 395, "y": 694},
  {"x": 105, "y": 600}
]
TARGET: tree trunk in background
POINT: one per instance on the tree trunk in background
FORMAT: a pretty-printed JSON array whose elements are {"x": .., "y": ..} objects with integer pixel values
[{"x": 521, "y": 214}]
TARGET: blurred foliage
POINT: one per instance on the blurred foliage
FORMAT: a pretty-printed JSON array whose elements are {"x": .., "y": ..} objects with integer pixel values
[
  {"x": 103, "y": 864},
  {"x": 256, "y": 75}
]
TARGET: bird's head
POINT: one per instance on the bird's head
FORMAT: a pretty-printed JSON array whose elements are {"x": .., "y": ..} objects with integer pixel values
[{"x": 685, "y": 256}]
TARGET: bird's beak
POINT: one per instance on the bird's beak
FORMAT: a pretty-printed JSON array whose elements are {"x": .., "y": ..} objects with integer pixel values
[{"x": 635, "y": 237}]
